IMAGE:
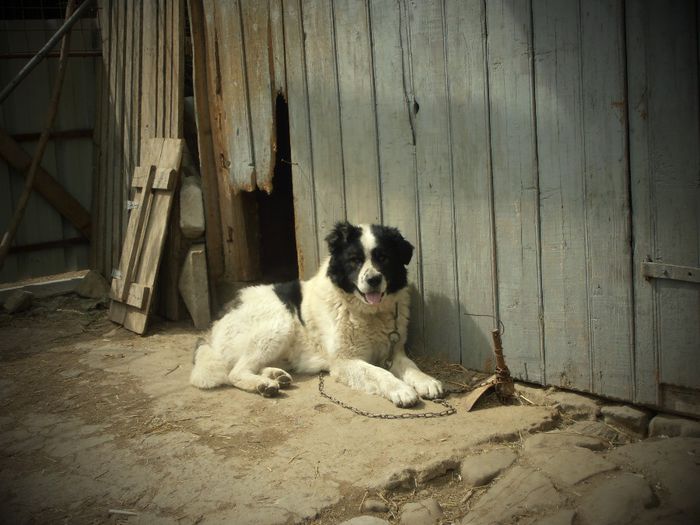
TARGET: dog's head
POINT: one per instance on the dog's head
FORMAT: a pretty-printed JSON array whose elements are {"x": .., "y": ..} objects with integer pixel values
[{"x": 368, "y": 261}]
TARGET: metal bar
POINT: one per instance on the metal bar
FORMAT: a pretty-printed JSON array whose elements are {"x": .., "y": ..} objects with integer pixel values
[
  {"x": 70, "y": 22},
  {"x": 56, "y": 135},
  {"x": 651, "y": 270},
  {"x": 52, "y": 54},
  {"x": 60, "y": 243}
]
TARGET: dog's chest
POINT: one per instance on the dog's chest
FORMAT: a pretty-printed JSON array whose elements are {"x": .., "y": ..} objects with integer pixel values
[{"x": 372, "y": 338}]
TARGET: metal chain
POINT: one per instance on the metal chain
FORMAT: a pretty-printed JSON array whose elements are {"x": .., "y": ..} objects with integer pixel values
[{"x": 421, "y": 415}]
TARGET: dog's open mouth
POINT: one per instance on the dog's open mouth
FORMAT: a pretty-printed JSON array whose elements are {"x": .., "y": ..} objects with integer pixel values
[{"x": 372, "y": 297}]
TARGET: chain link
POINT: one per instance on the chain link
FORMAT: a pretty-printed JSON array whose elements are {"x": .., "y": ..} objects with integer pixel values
[{"x": 421, "y": 415}]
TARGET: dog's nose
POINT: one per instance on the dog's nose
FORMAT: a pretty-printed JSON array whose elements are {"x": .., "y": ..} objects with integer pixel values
[{"x": 375, "y": 280}]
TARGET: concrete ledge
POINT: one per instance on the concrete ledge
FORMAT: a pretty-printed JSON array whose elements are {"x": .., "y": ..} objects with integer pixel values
[{"x": 46, "y": 286}]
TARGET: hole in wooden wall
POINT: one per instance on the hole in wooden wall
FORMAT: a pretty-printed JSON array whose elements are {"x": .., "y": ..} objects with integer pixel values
[{"x": 278, "y": 257}]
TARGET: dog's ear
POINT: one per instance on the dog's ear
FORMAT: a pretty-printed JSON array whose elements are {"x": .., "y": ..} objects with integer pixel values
[
  {"x": 341, "y": 234},
  {"x": 403, "y": 248}
]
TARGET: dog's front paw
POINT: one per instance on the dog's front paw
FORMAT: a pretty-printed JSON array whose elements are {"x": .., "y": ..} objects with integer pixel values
[
  {"x": 404, "y": 396},
  {"x": 429, "y": 388}
]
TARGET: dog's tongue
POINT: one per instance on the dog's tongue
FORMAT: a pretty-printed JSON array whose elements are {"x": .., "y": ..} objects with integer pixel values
[{"x": 373, "y": 297}]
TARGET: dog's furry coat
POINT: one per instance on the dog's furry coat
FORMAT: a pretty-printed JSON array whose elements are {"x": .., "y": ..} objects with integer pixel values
[{"x": 339, "y": 320}]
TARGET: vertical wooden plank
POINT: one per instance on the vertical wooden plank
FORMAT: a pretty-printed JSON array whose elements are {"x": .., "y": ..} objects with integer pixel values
[
  {"x": 178, "y": 99},
  {"x": 207, "y": 168},
  {"x": 435, "y": 184},
  {"x": 149, "y": 70},
  {"x": 559, "y": 100},
  {"x": 300, "y": 140},
  {"x": 136, "y": 76},
  {"x": 127, "y": 136},
  {"x": 396, "y": 139},
  {"x": 114, "y": 157},
  {"x": 473, "y": 195},
  {"x": 276, "y": 28},
  {"x": 324, "y": 115},
  {"x": 8, "y": 272},
  {"x": 514, "y": 165},
  {"x": 357, "y": 115},
  {"x": 665, "y": 162},
  {"x": 234, "y": 134},
  {"x": 258, "y": 62},
  {"x": 608, "y": 231},
  {"x": 160, "y": 78}
]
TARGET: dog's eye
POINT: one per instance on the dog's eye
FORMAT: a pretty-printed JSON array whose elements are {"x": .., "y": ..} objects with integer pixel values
[
  {"x": 381, "y": 258},
  {"x": 355, "y": 261}
]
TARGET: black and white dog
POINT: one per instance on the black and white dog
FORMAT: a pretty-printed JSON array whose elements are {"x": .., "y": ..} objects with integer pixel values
[{"x": 350, "y": 319}]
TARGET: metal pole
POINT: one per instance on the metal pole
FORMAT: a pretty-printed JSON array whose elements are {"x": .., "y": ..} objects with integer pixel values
[{"x": 44, "y": 51}]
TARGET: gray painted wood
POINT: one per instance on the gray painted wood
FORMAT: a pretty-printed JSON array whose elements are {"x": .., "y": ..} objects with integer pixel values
[
  {"x": 435, "y": 191},
  {"x": 514, "y": 165},
  {"x": 560, "y": 129},
  {"x": 357, "y": 111},
  {"x": 300, "y": 141},
  {"x": 324, "y": 116},
  {"x": 665, "y": 163},
  {"x": 397, "y": 161},
  {"x": 469, "y": 126},
  {"x": 608, "y": 229}
]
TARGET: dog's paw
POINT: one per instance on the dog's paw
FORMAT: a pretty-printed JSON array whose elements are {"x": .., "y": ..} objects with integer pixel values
[
  {"x": 277, "y": 374},
  {"x": 403, "y": 396},
  {"x": 268, "y": 388},
  {"x": 429, "y": 388}
]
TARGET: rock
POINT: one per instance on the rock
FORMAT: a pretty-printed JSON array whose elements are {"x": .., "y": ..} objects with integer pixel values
[
  {"x": 569, "y": 466},
  {"x": 599, "y": 430},
  {"x": 191, "y": 208},
  {"x": 627, "y": 417},
  {"x": 365, "y": 520},
  {"x": 521, "y": 490},
  {"x": 425, "y": 512},
  {"x": 616, "y": 500},
  {"x": 194, "y": 286},
  {"x": 562, "y": 517},
  {"x": 93, "y": 286},
  {"x": 561, "y": 440},
  {"x": 435, "y": 470},
  {"x": 480, "y": 470},
  {"x": 673, "y": 426},
  {"x": 18, "y": 301},
  {"x": 373, "y": 505},
  {"x": 672, "y": 464},
  {"x": 576, "y": 406}
]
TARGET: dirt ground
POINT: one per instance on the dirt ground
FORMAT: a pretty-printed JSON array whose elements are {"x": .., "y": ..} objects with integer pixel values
[{"x": 95, "y": 419}]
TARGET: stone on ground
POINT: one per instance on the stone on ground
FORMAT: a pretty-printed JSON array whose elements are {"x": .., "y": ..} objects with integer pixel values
[
  {"x": 629, "y": 418},
  {"x": 373, "y": 505},
  {"x": 569, "y": 466},
  {"x": 549, "y": 441},
  {"x": 599, "y": 430},
  {"x": 672, "y": 464},
  {"x": 520, "y": 490},
  {"x": 561, "y": 517},
  {"x": 616, "y": 500},
  {"x": 425, "y": 512},
  {"x": 673, "y": 426},
  {"x": 93, "y": 286},
  {"x": 365, "y": 520},
  {"x": 191, "y": 208},
  {"x": 194, "y": 286},
  {"x": 480, "y": 470},
  {"x": 18, "y": 301},
  {"x": 435, "y": 469},
  {"x": 576, "y": 406}
]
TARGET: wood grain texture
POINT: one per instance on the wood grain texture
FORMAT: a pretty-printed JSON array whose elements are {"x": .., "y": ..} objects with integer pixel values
[
  {"x": 664, "y": 159},
  {"x": 300, "y": 140},
  {"x": 324, "y": 116},
  {"x": 562, "y": 172},
  {"x": 396, "y": 141},
  {"x": 516, "y": 201},
  {"x": 357, "y": 112},
  {"x": 276, "y": 37},
  {"x": 441, "y": 326},
  {"x": 473, "y": 194}
]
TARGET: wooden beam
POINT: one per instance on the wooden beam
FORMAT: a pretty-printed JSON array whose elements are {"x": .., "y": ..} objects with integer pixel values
[
  {"x": 46, "y": 185},
  {"x": 86, "y": 133}
]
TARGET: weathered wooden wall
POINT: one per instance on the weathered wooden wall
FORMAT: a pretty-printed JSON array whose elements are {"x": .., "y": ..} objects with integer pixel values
[
  {"x": 141, "y": 96},
  {"x": 68, "y": 157},
  {"x": 531, "y": 152}
]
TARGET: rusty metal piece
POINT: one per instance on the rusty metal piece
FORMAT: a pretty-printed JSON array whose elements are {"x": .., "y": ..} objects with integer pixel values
[{"x": 505, "y": 388}]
